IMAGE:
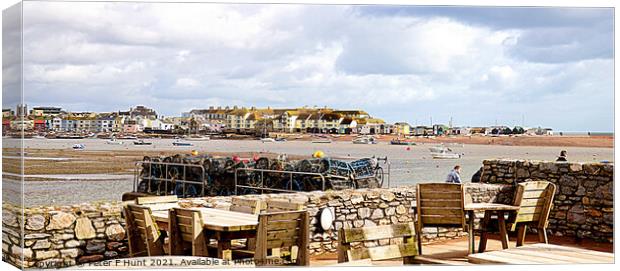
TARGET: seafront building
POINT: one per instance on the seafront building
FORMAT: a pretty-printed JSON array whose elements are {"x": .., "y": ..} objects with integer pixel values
[{"x": 232, "y": 119}]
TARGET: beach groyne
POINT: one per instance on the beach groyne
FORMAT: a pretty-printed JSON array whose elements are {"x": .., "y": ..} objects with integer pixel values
[{"x": 583, "y": 204}]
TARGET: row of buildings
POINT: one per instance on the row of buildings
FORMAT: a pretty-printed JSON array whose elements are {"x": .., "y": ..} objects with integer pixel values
[
  {"x": 239, "y": 120},
  {"x": 47, "y": 119}
]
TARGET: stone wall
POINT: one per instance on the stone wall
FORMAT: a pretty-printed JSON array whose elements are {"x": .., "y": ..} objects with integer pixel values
[
  {"x": 583, "y": 202},
  {"x": 62, "y": 236},
  {"x": 67, "y": 235}
]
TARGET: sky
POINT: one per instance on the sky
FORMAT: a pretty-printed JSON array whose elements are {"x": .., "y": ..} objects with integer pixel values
[{"x": 550, "y": 67}]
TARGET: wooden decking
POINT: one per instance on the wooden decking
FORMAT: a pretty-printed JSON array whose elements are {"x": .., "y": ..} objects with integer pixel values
[
  {"x": 542, "y": 254},
  {"x": 454, "y": 252}
]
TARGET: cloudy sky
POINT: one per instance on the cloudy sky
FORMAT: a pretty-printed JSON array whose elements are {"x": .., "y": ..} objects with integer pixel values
[{"x": 547, "y": 66}]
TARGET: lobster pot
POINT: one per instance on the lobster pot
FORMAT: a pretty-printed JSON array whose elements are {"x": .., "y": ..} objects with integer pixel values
[
  {"x": 336, "y": 167},
  {"x": 363, "y": 168}
]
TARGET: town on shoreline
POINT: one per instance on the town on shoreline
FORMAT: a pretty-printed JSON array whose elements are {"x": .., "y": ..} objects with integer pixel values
[{"x": 235, "y": 120}]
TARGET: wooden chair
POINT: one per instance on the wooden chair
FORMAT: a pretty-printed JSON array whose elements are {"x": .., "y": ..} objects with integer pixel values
[
  {"x": 439, "y": 205},
  {"x": 282, "y": 230},
  {"x": 158, "y": 203},
  {"x": 143, "y": 236},
  {"x": 186, "y": 233},
  {"x": 283, "y": 206},
  {"x": 273, "y": 206},
  {"x": 407, "y": 250},
  {"x": 535, "y": 199},
  {"x": 245, "y": 205}
]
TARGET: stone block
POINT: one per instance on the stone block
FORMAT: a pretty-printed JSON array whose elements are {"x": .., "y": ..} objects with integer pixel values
[
  {"x": 46, "y": 254},
  {"x": 35, "y": 222},
  {"x": 60, "y": 220},
  {"x": 84, "y": 229}
]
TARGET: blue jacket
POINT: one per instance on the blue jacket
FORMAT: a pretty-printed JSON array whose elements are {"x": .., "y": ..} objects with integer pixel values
[{"x": 453, "y": 177}]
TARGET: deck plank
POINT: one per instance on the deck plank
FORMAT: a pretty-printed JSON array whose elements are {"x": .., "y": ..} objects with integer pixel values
[{"x": 542, "y": 254}]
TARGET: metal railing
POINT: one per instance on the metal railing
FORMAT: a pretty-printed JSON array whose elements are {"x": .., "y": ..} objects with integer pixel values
[
  {"x": 262, "y": 188},
  {"x": 172, "y": 180}
]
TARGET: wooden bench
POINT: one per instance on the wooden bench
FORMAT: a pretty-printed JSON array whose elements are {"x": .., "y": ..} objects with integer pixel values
[{"x": 407, "y": 250}]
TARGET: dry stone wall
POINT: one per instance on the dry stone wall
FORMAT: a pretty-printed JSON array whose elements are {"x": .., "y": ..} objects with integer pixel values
[
  {"x": 583, "y": 202},
  {"x": 62, "y": 236}
]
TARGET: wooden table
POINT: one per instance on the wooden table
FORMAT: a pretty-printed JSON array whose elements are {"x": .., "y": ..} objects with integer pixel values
[
  {"x": 542, "y": 254},
  {"x": 221, "y": 225},
  {"x": 489, "y": 209}
]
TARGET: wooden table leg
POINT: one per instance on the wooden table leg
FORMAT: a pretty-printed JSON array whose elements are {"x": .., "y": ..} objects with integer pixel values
[
  {"x": 470, "y": 233},
  {"x": 483, "y": 231},
  {"x": 223, "y": 249},
  {"x": 503, "y": 234}
]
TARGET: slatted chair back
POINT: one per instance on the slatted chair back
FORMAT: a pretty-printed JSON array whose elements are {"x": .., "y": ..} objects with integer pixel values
[
  {"x": 283, "y": 230},
  {"x": 142, "y": 232},
  {"x": 186, "y": 232},
  {"x": 245, "y": 205},
  {"x": 159, "y": 203},
  {"x": 283, "y": 206},
  {"x": 440, "y": 204},
  {"x": 535, "y": 199},
  {"x": 407, "y": 250}
]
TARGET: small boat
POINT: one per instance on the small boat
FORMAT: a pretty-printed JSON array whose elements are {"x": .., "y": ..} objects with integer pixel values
[
  {"x": 322, "y": 141},
  {"x": 128, "y": 137},
  {"x": 181, "y": 143},
  {"x": 364, "y": 140},
  {"x": 113, "y": 141},
  {"x": 398, "y": 141},
  {"x": 142, "y": 142},
  {"x": 443, "y": 153},
  {"x": 267, "y": 139},
  {"x": 78, "y": 146},
  {"x": 280, "y": 139}
]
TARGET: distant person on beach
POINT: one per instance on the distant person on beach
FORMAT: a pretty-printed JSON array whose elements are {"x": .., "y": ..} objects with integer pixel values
[
  {"x": 562, "y": 157},
  {"x": 454, "y": 175}
]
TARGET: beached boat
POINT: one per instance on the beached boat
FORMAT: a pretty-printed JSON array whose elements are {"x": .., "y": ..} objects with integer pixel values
[
  {"x": 280, "y": 139},
  {"x": 181, "y": 143},
  {"x": 322, "y": 141},
  {"x": 443, "y": 153},
  {"x": 142, "y": 142},
  {"x": 364, "y": 140},
  {"x": 113, "y": 141},
  {"x": 128, "y": 137},
  {"x": 398, "y": 141},
  {"x": 267, "y": 140},
  {"x": 78, "y": 146}
]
